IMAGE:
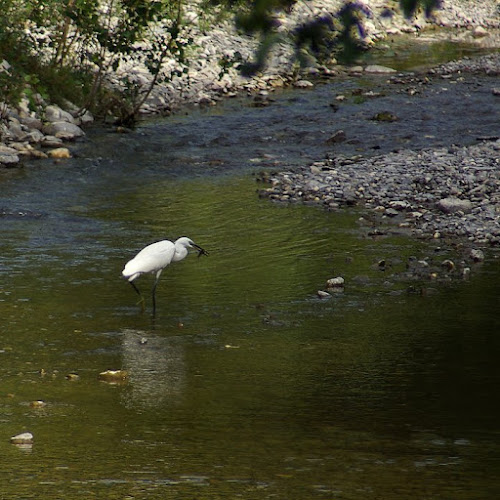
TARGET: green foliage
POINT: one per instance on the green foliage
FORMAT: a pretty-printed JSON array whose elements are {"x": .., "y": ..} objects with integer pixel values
[
  {"x": 410, "y": 7},
  {"x": 336, "y": 35},
  {"x": 67, "y": 48},
  {"x": 71, "y": 45}
]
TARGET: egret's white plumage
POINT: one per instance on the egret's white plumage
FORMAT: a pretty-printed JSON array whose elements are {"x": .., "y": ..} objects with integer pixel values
[{"x": 154, "y": 258}]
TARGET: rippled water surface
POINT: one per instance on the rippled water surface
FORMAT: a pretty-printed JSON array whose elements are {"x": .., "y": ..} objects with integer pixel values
[{"x": 245, "y": 385}]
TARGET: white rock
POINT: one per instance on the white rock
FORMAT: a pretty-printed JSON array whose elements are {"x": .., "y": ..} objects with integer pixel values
[
  {"x": 479, "y": 32},
  {"x": 16, "y": 130},
  {"x": 63, "y": 130},
  {"x": 9, "y": 160},
  {"x": 84, "y": 119},
  {"x": 4, "y": 66},
  {"x": 303, "y": 84},
  {"x": 399, "y": 204},
  {"x": 8, "y": 156},
  {"x": 23, "y": 438},
  {"x": 337, "y": 282},
  {"x": 451, "y": 205},
  {"x": 378, "y": 69},
  {"x": 54, "y": 113},
  {"x": 30, "y": 122},
  {"x": 476, "y": 255},
  {"x": 50, "y": 141},
  {"x": 35, "y": 136}
]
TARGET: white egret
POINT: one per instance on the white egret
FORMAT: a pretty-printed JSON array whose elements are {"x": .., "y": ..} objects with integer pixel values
[{"x": 154, "y": 258}]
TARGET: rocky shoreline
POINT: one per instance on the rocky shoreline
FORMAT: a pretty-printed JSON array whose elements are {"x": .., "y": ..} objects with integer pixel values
[
  {"x": 28, "y": 134},
  {"x": 434, "y": 193},
  {"x": 438, "y": 193},
  {"x": 453, "y": 191}
]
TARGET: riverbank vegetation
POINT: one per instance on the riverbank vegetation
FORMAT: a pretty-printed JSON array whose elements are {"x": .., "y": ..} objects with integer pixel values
[
  {"x": 65, "y": 49},
  {"x": 59, "y": 50}
]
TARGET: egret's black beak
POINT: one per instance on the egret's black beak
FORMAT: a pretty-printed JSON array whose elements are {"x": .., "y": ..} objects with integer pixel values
[{"x": 200, "y": 250}]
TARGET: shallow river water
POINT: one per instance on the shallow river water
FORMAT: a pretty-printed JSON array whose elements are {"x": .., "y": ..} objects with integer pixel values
[{"x": 245, "y": 384}]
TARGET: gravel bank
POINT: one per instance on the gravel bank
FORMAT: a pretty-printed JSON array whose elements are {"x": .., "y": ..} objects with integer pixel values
[
  {"x": 435, "y": 193},
  {"x": 461, "y": 21}
]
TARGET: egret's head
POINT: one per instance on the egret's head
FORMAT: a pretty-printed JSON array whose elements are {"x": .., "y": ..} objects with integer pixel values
[
  {"x": 185, "y": 242},
  {"x": 189, "y": 243}
]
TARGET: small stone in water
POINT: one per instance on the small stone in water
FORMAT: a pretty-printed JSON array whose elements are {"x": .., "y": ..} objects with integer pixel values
[
  {"x": 72, "y": 376},
  {"x": 337, "y": 282},
  {"x": 23, "y": 438},
  {"x": 38, "y": 404},
  {"x": 323, "y": 295},
  {"x": 477, "y": 255}
]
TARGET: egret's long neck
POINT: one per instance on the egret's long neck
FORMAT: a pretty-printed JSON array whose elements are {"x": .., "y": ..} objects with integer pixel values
[{"x": 180, "y": 252}]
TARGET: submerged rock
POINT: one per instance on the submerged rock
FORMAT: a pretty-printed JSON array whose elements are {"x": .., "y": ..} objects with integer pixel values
[
  {"x": 338, "y": 136},
  {"x": 385, "y": 116},
  {"x": 113, "y": 376}
]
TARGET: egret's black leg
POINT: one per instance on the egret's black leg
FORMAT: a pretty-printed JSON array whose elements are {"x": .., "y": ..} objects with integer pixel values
[
  {"x": 153, "y": 291},
  {"x": 141, "y": 300}
]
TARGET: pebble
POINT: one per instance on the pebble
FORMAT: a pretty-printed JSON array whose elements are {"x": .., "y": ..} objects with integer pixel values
[
  {"x": 477, "y": 255},
  {"x": 23, "y": 438},
  {"x": 337, "y": 282},
  {"x": 38, "y": 404}
]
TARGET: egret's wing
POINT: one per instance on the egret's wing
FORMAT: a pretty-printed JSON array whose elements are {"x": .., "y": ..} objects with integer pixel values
[{"x": 150, "y": 259}]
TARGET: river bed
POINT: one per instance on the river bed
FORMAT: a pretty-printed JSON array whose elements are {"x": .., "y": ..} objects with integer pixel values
[{"x": 245, "y": 384}]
